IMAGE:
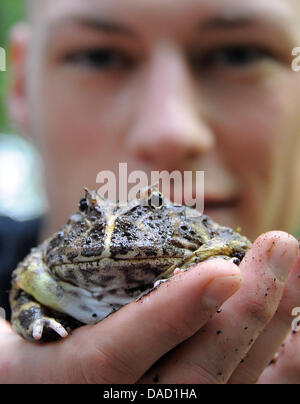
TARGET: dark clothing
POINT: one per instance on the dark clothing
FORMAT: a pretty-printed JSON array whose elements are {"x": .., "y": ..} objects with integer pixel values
[{"x": 16, "y": 241}]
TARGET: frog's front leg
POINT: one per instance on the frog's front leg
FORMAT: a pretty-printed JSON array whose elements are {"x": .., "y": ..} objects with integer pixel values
[
  {"x": 36, "y": 300},
  {"x": 30, "y": 319},
  {"x": 72, "y": 305}
]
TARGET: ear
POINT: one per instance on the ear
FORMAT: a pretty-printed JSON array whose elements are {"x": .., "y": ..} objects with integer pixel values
[{"x": 18, "y": 100}]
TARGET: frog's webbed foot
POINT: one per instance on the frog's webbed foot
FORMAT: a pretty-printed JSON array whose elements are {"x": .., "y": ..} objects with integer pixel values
[
  {"x": 34, "y": 321},
  {"x": 40, "y": 324}
]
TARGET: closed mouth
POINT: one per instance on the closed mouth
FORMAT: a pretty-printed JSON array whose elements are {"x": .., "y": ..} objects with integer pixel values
[{"x": 96, "y": 263}]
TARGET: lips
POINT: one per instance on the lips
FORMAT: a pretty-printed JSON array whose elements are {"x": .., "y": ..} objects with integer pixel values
[{"x": 214, "y": 202}]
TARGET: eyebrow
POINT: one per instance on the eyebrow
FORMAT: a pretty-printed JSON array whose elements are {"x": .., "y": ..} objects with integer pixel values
[
  {"x": 246, "y": 18},
  {"x": 228, "y": 22},
  {"x": 273, "y": 22},
  {"x": 96, "y": 24}
]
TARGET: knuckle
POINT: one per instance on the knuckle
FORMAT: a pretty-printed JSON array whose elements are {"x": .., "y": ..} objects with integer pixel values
[
  {"x": 179, "y": 329},
  {"x": 103, "y": 366},
  {"x": 195, "y": 373},
  {"x": 289, "y": 355},
  {"x": 259, "y": 311},
  {"x": 99, "y": 362}
]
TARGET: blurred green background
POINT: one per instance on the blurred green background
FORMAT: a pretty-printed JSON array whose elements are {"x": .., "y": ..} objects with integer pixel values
[
  {"x": 10, "y": 12},
  {"x": 21, "y": 185}
]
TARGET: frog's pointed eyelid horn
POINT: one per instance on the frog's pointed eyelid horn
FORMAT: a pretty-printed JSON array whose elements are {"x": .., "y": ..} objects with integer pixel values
[
  {"x": 92, "y": 194},
  {"x": 101, "y": 197},
  {"x": 93, "y": 198},
  {"x": 88, "y": 194},
  {"x": 154, "y": 188},
  {"x": 146, "y": 193}
]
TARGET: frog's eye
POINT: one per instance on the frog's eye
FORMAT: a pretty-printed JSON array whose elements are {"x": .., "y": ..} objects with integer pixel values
[
  {"x": 160, "y": 200},
  {"x": 156, "y": 200},
  {"x": 83, "y": 205}
]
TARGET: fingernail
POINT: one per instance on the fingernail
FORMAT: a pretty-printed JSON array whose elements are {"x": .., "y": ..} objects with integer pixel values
[
  {"x": 282, "y": 258},
  {"x": 177, "y": 271},
  {"x": 220, "y": 289}
]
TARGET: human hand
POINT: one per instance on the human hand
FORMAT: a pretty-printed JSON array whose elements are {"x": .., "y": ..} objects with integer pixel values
[
  {"x": 121, "y": 348},
  {"x": 286, "y": 368},
  {"x": 237, "y": 345},
  {"x": 172, "y": 322}
]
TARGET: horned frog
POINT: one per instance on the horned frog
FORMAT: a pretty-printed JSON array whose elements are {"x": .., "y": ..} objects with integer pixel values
[{"x": 108, "y": 255}]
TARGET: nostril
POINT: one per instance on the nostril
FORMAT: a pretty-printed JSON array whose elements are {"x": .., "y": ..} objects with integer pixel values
[
  {"x": 144, "y": 155},
  {"x": 192, "y": 154},
  {"x": 166, "y": 151}
]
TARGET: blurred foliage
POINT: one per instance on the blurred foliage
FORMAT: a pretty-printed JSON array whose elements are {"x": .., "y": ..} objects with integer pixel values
[{"x": 10, "y": 12}]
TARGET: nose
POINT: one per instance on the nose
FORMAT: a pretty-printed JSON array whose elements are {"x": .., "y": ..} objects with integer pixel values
[{"x": 169, "y": 129}]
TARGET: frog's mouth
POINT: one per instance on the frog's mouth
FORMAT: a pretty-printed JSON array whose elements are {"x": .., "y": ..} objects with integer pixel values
[
  {"x": 106, "y": 265},
  {"x": 131, "y": 273},
  {"x": 119, "y": 275}
]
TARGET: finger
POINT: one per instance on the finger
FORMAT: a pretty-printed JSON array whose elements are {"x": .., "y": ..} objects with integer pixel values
[
  {"x": 213, "y": 354},
  {"x": 98, "y": 353},
  {"x": 23, "y": 362},
  {"x": 5, "y": 327},
  {"x": 286, "y": 369},
  {"x": 123, "y": 347},
  {"x": 271, "y": 339}
]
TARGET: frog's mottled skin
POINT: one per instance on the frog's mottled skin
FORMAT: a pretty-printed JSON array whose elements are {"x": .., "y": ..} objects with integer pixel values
[{"x": 108, "y": 255}]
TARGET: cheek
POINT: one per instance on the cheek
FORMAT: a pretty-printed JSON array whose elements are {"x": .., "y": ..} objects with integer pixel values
[
  {"x": 81, "y": 116},
  {"x": 252, "y": 122},
  {"x": 257, "y": 130}
]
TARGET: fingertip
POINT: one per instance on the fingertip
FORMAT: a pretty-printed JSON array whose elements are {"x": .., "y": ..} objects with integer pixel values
[
  {"x": 275, "y": 236},
  {"x": 276, "y": 250},
  {"x": 218, "y": 266},
  {"x": 275, "y": 240},
  {"x": 221, "y": 289}
]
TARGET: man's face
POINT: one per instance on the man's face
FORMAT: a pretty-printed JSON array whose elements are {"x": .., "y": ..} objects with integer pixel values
[{"x": 173, "y": 85}]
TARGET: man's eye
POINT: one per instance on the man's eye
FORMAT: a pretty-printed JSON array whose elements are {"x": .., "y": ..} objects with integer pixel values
[
  {"x": 99, "y": 59},
  {"x": 234, "y": 57}
]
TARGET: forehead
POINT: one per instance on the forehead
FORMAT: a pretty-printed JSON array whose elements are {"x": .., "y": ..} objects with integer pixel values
[
  {"x": 50, "y": 10},
  {"x": 150, "y": 20}
]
